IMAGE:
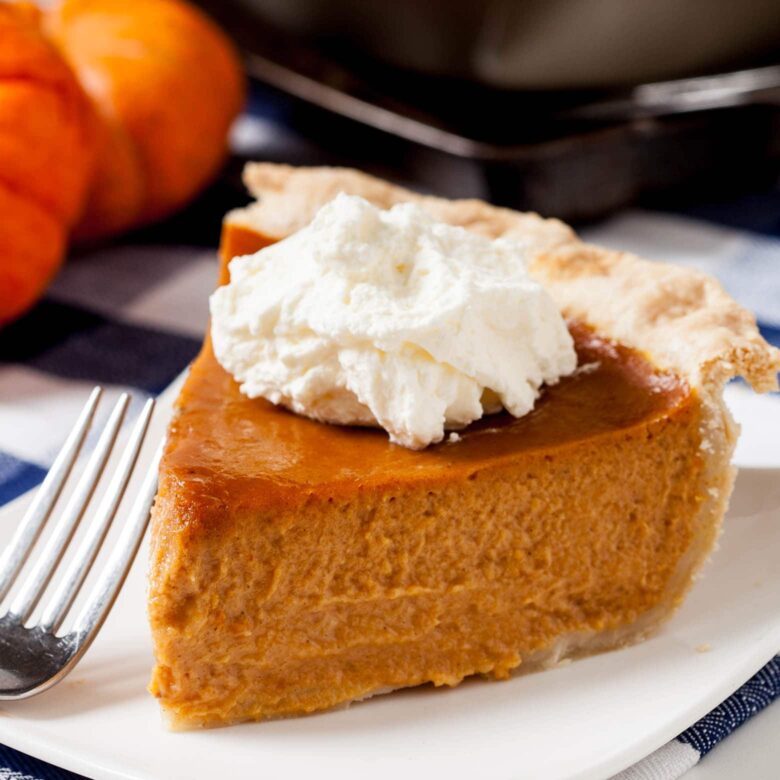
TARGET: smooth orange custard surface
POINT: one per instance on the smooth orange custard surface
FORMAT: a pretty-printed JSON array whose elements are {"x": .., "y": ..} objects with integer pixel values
[{"x": 298, "y": 565}]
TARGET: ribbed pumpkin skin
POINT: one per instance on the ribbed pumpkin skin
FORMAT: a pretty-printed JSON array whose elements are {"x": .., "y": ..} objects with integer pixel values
[
  {"x": 113, "y": 114},
  {"x": 167, "y": 84},
  {"x": 46, "y": 158}
]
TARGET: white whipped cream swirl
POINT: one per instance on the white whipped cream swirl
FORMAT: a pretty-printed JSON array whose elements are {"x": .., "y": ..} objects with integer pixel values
[{"x": 370, "y": 317}]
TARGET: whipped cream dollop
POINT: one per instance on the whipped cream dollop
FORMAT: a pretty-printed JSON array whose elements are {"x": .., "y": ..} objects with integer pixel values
[{"x": 390, "y": 318}]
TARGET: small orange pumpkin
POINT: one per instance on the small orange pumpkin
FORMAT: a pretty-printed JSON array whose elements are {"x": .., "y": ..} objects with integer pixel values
[
  {"x": 166, "y": 83},
  {"x": 46, "y": 153}
]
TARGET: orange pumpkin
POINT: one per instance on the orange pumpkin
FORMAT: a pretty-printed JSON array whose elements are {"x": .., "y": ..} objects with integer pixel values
[
  {"x": 46, "y": 154},
  {"x": 166, "y": 83}
]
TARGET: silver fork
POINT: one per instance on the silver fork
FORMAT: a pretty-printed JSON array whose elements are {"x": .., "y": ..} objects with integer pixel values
[{"x": 34, "y": 657}]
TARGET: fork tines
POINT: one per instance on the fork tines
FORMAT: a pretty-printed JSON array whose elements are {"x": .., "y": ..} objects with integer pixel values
[{"x": 34, "y": 584}]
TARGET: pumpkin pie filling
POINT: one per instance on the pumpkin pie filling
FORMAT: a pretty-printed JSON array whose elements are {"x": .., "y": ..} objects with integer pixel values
[{"x": 298, "y": 565}]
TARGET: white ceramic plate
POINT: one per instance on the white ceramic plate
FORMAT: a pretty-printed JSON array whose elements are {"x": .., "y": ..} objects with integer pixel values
[{"x": 588, "y": 719}]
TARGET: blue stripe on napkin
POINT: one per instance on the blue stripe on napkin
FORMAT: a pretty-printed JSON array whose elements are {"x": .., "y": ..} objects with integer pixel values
[
  {"x": 756, "y": 694},
  {"x": 756, "y": 212},
  {"x": 17, "y": 766},
  {"x": 75, "y": 343},
  {"x": 770, "y": 333},
  {"x": 17, "y": 476}
]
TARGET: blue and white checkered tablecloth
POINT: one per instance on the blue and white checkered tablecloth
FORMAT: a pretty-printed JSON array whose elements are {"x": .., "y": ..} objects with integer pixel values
[{"x": 134, "y": 315}]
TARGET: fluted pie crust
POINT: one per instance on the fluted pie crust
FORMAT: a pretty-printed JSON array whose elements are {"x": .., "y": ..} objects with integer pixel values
[{"x": 297, "y": 566}]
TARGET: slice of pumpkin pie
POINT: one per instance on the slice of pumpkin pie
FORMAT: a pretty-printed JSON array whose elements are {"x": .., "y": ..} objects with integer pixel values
[{"x": 298, "y": 564}]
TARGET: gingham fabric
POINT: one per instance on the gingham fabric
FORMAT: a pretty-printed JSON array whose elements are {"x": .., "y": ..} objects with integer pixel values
[{"x": 133, "y": 316}]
